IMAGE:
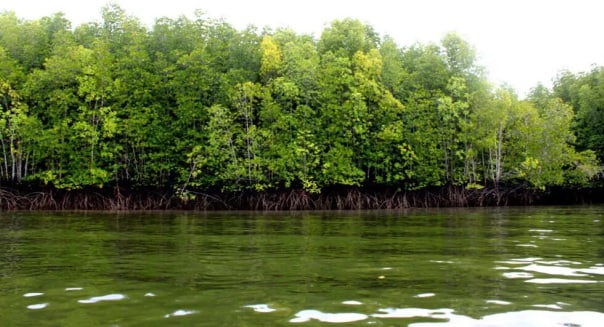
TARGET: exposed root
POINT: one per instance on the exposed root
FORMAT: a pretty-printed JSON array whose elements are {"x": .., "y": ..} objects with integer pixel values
[{"x": 351, "y": 198}]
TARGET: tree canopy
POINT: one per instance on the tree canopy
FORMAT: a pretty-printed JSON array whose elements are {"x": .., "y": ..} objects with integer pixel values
[{"x": 198, "y": 104}]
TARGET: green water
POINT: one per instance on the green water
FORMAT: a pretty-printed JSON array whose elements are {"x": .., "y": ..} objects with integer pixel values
[{"x": 462, "y": 267}]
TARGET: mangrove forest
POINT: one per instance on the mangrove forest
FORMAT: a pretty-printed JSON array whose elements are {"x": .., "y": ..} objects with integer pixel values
[{"x": 194, "y": 113}]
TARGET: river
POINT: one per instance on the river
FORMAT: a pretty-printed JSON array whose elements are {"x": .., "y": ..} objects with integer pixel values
[{"x": 539, "y": 266}]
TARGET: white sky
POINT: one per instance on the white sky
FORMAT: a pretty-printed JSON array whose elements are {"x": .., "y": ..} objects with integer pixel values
[{"x": 520, "y": 42}]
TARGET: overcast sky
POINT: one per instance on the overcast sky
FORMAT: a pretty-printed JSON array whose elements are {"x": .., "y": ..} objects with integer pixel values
[{"x": 520, "y": 42}]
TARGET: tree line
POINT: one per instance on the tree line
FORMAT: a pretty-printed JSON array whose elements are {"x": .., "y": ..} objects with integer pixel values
[{"x": 195, "y": 104}]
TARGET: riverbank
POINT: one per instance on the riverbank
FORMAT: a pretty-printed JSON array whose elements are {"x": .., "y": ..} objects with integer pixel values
[{"x": 342, "y": 198}]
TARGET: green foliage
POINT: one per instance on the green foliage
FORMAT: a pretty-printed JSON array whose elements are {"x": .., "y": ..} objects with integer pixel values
[
  {"x": 346, "y": 37},
  {"x": 196, "y": 103}
]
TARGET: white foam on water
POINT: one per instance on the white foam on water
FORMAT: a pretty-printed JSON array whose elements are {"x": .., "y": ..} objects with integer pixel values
[
  {"x": 308, "y": 315},
  {"x": 109, "y": 297},
  {"x": 352, "y": 302},
  {"x": 559, "y": 281},
  {"x": 32, "y": 294},
  {"x": 262, "y": 308},
  {"x": 149, "y": 294},
  {"x": 527, "y": 245},
  {"x": 71, "y": 289},
  {"x": 541, "y": 230},
  {"x": 498, "y": 302},
  {"x": 180, "y": 313}
]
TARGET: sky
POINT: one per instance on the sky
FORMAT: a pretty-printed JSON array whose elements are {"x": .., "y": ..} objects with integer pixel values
[{"x": 520, "y": 42}]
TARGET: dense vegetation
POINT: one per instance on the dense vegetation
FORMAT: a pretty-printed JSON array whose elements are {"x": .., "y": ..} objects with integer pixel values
[{"x": 197, "y": 105}]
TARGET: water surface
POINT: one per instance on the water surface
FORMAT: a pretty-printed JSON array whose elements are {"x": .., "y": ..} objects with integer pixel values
[{"x": 448, "y": 267}]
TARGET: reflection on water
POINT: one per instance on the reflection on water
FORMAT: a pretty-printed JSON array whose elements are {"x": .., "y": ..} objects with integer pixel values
[
  {"x": 478, "y": 267},
  {"x": 37, "y": 306},
  {"x": 425, "y": 295},
  {"x": 557, "y": 306},
  {"x": 559, "y": 281},
  {"x": 517, "y": 274},
  {"x": 414, "y": 312},
  {"x": 308, "y": 315},
  {"x": 262, "y": 308},
  {"x": 552, "y": 267},
  {"x": 448, "y": 317},
  {"x": 110, "y": 297},
  {"x": 180, "y": 313}
]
